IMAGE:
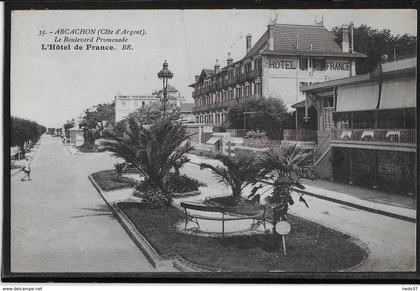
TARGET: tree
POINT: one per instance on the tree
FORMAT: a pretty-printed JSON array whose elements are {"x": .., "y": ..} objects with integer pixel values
[
  {"x": 269, "y": 115},
  {"x": 152, "y": 150},
  {"x": 376, "y": 43},
  {"x": 152, "y": 112},
  {"x": 69, "y": 124},
  {"x": 281, "y": 167},
  {"x": 25, "y": 133},
  {"x": 94, "y": 122},
  {"x": 237, "y": 172}
]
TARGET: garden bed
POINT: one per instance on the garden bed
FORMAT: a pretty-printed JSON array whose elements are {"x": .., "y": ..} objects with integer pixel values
[
  {"x": 310, "y": 246},
  {"x": 87, "y": 149},
  {"x": 108, "y": 181}
]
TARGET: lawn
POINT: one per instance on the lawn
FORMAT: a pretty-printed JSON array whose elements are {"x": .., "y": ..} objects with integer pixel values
[
  {"x": 310, "y": 246},
  {"x": 108, "y": 180}
]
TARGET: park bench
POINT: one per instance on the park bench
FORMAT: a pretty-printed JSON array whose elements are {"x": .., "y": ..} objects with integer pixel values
[{"x": 226, "y": 215}]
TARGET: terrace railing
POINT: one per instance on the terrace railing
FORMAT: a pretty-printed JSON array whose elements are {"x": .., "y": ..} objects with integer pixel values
[{"x": 401, "y": 136}]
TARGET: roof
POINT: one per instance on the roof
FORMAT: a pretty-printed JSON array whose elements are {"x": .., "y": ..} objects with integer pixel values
[
  {"x": 300, "y": 104},
  {"x": 312, "y": 53},
  {"x": 314, "y": 38},
  {"x": 295, "y": 40},
  {"x": 186, "y": 107}
]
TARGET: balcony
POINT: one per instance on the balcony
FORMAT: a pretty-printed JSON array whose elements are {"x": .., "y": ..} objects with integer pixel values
[
  {"x": 307, "y": 135},
  {"x": 386, "y": 139}
]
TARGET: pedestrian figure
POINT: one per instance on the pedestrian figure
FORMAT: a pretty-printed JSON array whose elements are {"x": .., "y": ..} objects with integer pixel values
[{"x": 27, "y": 169}]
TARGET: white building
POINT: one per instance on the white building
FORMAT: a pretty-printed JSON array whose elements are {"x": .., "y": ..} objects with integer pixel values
[{"x": 125, "y": 104}]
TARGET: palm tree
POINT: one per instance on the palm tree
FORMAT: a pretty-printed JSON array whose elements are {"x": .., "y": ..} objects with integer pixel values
[
  {"x": 237, "y": 173},
  {"x": 282, "y": 167},
  {"x": 152, "y": 150}
]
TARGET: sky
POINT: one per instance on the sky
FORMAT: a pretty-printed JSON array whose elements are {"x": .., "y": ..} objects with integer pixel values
[{"x": 51, "y": 86}]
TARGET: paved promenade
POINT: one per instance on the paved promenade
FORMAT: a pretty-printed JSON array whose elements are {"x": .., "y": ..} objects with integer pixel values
[{"x": 59, "y": 223}]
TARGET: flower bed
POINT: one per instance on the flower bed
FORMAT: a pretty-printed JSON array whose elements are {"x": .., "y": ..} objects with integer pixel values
[
  {"x": 310, "y": 246},
  {"x": 109, "y": 181},
  {"x": 230, "y": 205}
]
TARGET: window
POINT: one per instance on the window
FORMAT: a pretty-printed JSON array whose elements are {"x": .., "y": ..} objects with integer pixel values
[
  {"x": 328, "y": 117},
  {"x": 230, "y": 74},
  {"x": 258, "y": 64},
  {"x": 248, "y": 68},
  {"x": 217, "y": 118},
  {"x": 319, "y": 64},
  {"x": 238, "y": 71},
  {"x": 238, "y": 93},
  {"x": 258, "y": 89},
  {"x": 303, "y": 64},
  {"x": 248, "y": 90}
]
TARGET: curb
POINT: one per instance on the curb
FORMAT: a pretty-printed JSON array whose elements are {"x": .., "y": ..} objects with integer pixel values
[
  {"x": 156, "y": 260},
  {"x": 358, "y": 206}
]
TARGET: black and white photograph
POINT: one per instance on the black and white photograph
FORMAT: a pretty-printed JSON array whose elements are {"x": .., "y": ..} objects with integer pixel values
[{"x": 211, "y": 144}]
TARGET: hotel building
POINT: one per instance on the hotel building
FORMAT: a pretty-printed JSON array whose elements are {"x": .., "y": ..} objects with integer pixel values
[{"x": 285, "y": 58}]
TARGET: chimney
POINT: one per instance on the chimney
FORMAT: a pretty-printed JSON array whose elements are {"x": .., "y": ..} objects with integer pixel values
[
  {"x": 345, "y": 42},
  {"x": 270, "y": 41},
  {"x": 216, "y": 67},
  {"x": 248, "y": 42},
  {"x": 197, "y": 77},
  {"x": 229, "y": 60},
  {"x": 351, "y": 27}
]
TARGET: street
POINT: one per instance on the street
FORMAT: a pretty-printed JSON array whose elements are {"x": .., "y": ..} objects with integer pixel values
[{"x": 60, "y": 223}]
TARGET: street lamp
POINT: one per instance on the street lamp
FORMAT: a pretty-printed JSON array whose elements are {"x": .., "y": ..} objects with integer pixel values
[
  {"x": 245, "y": 113},
  {"x": 165, "y": 74}
]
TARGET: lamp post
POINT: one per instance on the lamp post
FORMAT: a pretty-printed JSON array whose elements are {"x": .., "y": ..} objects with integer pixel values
[
  {"x": 165, "y": 74},
  {"x": 245, "y": 113}
]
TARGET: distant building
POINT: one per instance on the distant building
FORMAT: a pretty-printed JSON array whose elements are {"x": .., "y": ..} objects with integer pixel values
[
  {"x": 124, "y": 105},
  {"x": 364, "y": 127},
  {"x": 187, "y": 116},
  {"x": 285, "y": 58}
]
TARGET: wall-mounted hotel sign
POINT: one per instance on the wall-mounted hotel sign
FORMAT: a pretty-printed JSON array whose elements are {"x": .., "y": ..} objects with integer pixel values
[
  {"x": 338, "y": 66},
  {"x": 282, "y": 64},
  {"x": 292, "y": 65}
]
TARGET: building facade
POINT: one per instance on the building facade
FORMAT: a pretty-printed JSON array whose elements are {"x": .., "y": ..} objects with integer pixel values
[
  {"x": 364, "y": 127},
  {"x": 285, "y": 58},
  {"x": 124, "y": 105}
]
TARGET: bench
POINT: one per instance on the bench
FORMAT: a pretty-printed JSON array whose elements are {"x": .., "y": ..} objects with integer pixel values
[{"x": 258, "y": 218}]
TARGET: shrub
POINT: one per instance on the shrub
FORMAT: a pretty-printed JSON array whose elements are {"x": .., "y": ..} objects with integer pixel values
[
  {"x": 254, "y": 134},
  {"x": 119, "y": 168},
  {"x": 152, "y": 197},
  {"x": 183, "y": 183}
]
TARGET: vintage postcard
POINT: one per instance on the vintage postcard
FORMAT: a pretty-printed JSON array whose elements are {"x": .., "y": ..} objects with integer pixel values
[{"x": 211, "y": 144}]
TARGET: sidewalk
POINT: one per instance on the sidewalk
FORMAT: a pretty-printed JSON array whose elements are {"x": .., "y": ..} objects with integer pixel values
[{"x": 389, "y": 204}]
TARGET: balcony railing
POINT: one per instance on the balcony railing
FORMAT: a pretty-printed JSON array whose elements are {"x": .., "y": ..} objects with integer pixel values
[
  {"x": 229, "y": 82},
  {"x": 299, "y": 135},
  {"x": 400, "y": 136}
]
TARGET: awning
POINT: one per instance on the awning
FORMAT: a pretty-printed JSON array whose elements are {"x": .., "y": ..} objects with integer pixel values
[
  {"x": 213, "y": 140},
  {"x": 357, "y": 97},
  {"x": 398, "y": 93}
]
